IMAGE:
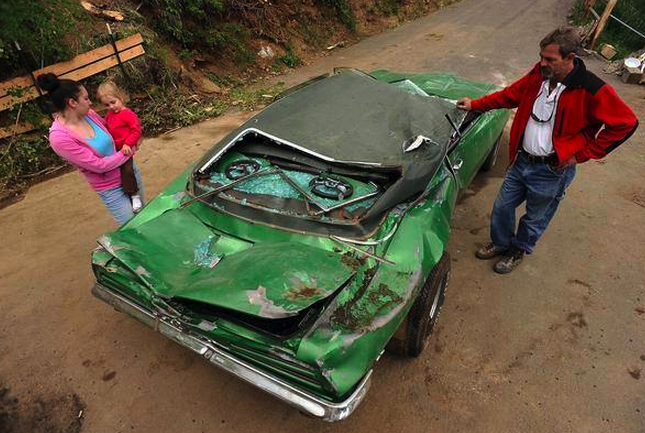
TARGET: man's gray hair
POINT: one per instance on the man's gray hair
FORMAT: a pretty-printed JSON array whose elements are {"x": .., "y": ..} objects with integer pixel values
[{"x": 566, "y": 37}]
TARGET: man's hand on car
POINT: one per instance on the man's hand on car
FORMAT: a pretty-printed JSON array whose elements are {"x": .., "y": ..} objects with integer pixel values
[{"x": 465, "y": 104}]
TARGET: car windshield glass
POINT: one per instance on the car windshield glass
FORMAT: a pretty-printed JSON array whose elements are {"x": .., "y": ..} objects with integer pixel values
[
  {"x": 267, "y": 181},
  {"x": 409, "y": 86},
  {"x": 333, "y": 152}
]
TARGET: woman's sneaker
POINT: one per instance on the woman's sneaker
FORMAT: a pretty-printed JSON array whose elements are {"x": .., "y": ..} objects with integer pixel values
[
  {"x": 137, "y": 204},
  {"x": 489, "y": 251}
]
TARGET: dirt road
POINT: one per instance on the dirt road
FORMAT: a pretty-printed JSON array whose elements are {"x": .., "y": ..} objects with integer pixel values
[{"x": 556, "y": 346}]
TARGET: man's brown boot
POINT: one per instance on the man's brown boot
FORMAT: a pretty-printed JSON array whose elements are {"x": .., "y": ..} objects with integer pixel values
[
  {"x": 489, "y": 251},
  {"x": 509, "y": 261}
]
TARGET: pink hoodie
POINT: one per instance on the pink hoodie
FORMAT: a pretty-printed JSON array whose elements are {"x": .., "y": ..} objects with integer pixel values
[{"x": 101, "y": 172}]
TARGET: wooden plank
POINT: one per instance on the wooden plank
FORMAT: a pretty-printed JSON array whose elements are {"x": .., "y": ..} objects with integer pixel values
[
  {"x": 588, "y": 5},
  {"x": 77, "y": 74},
  {"x": 20, "y": 129},
  {"x": 602, "y": 22},
  {"x": 75, "y": 63}
]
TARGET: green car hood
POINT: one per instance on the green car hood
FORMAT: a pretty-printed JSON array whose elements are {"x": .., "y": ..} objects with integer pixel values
[
  {"x": 442, "y": 84},
  {"x": 178, "y": 257}
]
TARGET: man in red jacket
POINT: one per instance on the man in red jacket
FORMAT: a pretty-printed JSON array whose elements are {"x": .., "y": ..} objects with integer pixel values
[{"x": 561, "y": 111}]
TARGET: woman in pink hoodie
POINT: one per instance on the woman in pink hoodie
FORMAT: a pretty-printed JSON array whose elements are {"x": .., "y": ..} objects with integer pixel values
[{"x": 79, "y": 136}]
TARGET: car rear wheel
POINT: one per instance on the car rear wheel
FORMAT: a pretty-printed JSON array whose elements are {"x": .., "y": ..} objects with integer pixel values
[
  {"x": 491, "y": 159},
  {"x": 425, "y": 311}
]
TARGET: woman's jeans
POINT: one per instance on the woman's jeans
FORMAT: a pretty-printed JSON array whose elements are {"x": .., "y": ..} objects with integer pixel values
[
  {"x": 542, "y": 187},
  {"x": 118, "y": 201}
]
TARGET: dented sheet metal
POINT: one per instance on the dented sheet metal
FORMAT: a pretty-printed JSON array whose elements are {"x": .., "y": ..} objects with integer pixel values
[
  {"x": 442, "y": 84},
  {"x": 356, "y": 327},
  {"x": 179, "y": 257},
  {"x": 298, "y": 306}
]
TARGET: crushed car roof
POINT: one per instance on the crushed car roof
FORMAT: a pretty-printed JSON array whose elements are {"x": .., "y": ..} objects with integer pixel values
[
  {"x": 352, "y": 117},
  {"x": 353, "y": 120}
]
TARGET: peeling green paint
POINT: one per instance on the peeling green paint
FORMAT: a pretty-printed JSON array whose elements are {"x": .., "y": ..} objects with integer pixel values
[{"x": 267, "y": 307}]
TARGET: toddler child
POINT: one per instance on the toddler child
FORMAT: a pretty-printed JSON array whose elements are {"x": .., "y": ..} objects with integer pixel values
[{"x": 125, "y": 128}]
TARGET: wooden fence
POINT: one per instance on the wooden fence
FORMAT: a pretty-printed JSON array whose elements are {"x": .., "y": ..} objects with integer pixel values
[{"x": 22, "y": 89}]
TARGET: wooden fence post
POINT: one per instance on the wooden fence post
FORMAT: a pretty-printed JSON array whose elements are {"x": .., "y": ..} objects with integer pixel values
[
  {"x": 603, "y": 22},
  {"x": 588, "y": 5}
]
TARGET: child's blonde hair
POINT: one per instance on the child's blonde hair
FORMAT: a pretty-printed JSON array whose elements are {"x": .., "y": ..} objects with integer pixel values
[{"x": 108, "y": 88}]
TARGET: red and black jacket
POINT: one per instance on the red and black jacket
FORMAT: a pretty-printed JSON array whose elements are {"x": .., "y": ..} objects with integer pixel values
[{"x": 584, "y": 107}]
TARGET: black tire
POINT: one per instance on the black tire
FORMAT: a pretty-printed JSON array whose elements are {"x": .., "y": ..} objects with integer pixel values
[
  {"x": 491, "y": 159},
  {"x": 425, "y": 311}
]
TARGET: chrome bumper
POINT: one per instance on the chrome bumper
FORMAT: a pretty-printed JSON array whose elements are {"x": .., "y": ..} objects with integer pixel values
[{"x": 212, "y": 351}]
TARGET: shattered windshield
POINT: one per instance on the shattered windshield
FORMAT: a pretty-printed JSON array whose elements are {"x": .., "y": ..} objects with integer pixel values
[
  {"x": 270, "y": 183},
  {"x": 409, "y": 86},
  {"x": 337, "y": 153}
]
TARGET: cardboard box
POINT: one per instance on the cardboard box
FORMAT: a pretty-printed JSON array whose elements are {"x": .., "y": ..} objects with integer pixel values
[
  {"x": 632, "y": 75},
  {"x": 608, "y": 51}
]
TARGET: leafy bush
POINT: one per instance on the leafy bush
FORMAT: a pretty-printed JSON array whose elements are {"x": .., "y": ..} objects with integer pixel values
[
  {"x": 344, "y": 10},
  {"x": 40, "y": 28},
  {"x": 173, "y": 15},
  {"x": 386, "y": 7},
  {"x": 290, "y": 59},
  {"x": 22, "y": 159},
  {"x": 229, "y": 36}
]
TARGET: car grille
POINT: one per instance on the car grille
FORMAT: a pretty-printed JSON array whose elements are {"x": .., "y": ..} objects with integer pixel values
[
  {"x": 292, "y": 370},
  {"x": 270, "y": 361}
]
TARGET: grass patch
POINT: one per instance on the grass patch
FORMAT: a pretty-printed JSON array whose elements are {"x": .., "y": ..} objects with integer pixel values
[
  {"x": 290, "y": 59},
  {"x": 229, "y": 36},
  {"x": 252, "y": 99}
]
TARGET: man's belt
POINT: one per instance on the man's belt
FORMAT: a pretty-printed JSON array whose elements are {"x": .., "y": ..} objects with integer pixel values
[{"x": 551, "y": 159}]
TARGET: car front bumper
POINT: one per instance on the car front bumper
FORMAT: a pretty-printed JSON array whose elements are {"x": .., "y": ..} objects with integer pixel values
[{"x": 215, "y": 353}]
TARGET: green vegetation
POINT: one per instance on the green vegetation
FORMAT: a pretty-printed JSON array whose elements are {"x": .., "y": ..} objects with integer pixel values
[
  {"x": 24, "y": 159},
  {"x": 252, "y": 99},
  {"x": 168, "y": 110},
  {"x": 624, "y": 40},
  {"x": 385, "y": 7},
  {"x": 577, "y": 14},
  {"x": 39, "y": 28},
  {"x": 290, "y": 59},
  {"x": 174, "y": 17},
  {"x": 344, "y": 11},
  {"x": 229, "y": 36}
]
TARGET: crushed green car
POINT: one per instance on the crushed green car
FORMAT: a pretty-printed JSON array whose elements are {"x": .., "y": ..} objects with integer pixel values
[{"x": 312, "y": 235}]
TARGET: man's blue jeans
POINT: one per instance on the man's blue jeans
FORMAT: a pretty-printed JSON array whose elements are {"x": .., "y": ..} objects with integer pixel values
[{"x": 542, "y": 187}]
